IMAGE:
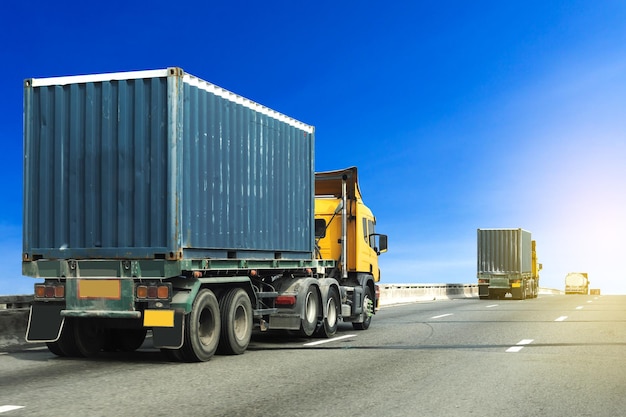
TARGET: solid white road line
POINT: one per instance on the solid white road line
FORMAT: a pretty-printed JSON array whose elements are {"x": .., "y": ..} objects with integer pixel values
[
  {"x": 5, "y": 408},
  {"x": 562, "y": 318},
  {"x": 334, "y": 339},
  {"x": 442, "y": 315}
]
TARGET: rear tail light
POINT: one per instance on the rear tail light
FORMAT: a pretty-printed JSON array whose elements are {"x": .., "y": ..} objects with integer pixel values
[
  {"x": 142, "y": 291},
  {"x": 285, "y": 300},
  {"x": 50, "y": 291},
  {"x": 163, "y": 292},
  {"x": 153, "y": 291}
]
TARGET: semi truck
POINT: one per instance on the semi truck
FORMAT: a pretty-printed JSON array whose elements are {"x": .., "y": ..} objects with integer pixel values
[
  {"x": 507, "y": 264},
  {"x": 155, "y": 201},
  {"x": 577, "y": 283}
]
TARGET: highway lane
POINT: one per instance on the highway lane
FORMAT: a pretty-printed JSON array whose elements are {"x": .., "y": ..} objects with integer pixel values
[{"x": 551, "y": 356}]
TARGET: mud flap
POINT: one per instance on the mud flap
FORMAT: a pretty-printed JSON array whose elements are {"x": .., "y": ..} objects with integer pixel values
[
  {"x": 170, "y": 337},
  {"x": 483, "y": 290},
  {"x": 44, "y": 322}
]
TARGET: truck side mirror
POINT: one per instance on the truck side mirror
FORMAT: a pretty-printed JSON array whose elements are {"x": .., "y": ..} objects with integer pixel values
[
  {"x": 382, "y": 244},
  {"x": 381, "y": 247},
  {"x": 320, "y": 228}
]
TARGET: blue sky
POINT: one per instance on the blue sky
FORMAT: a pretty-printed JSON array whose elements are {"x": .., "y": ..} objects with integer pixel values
[{"x": 460, "y": 115}]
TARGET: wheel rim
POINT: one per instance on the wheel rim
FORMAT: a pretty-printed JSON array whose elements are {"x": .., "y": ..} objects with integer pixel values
[
  {"x": 332, "y": 311},
  {"x": 311, "y": 308},
  {"x": 206, "y": 327},
  {"x": 240, "y": 326},
  {"x": 368, "y": 305}
]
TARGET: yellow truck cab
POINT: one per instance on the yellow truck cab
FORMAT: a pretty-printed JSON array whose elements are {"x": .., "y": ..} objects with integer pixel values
[{"x": 345, "y": 231}]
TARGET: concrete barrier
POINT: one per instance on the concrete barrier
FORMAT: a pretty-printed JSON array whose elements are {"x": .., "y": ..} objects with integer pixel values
[
  {"x": 409, "y": 293},
  {"x": 14, "y": 311}
]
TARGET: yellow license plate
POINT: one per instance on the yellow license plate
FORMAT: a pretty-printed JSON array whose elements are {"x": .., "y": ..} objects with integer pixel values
[
  {"x": 516, "y": 285},
  {"x": 158, "y": 318},
  {"x": 99, "y": 288}
]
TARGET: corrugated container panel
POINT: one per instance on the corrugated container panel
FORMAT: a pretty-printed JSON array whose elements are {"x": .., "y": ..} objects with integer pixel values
[
  {"x": 256, "y": 188},
  {"x": 160, "y": 164},
  {"x": 95, "y": 168},
  {"x": 504, "y": 251}
]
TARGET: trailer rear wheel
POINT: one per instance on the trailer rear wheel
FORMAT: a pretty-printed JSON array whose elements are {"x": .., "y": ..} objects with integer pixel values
[
  {"x": 329, "y": 328},
  {"x": 128, "y": 340},
  {"x": 368, "y": 311},
  {"x": 66, "y": 344},
  {"x": 202, "y": 328},
  {"x": 54, "y": 348},
  {"x": 173, "y": 355},
  {"x": 89, "y": 335},
  {"x": 311, "y": 312},
  {"x": 236, "y": 314}
]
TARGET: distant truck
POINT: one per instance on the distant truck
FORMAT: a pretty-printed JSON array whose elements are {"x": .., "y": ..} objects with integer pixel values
[
  {"x": 507, "y": 264},
  {"x": 154, "y": 200},
  {"x": 577, "y": 283}
]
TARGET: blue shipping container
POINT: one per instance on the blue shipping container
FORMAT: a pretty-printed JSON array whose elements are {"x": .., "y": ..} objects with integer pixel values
[{"x": 162, "y": 165}]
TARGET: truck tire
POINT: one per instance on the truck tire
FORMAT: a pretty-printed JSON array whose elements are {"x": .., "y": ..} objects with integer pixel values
[
  {"x": 519, "y": 294},
  {"x": 333, "y": 305},
  {"x": 311, "y": 311},
  {"x": 202, "y": 328},
  {"x": 89, "y": 335},
  {"x": 127, "y": 340},
  {"x": 54, "y": 348},
  {"x": 66, "y": 344},
  {"x": 368, "y": 311},
  {"x": 236, "y": 316},
  {"x": 173, "y": 355}
]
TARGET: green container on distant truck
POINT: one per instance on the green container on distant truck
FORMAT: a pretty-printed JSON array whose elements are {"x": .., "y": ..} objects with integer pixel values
[
  {"x": 507, "y": 264},
  {"x": 156, "y": 201}
]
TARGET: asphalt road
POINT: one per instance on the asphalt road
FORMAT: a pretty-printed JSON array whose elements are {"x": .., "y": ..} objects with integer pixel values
[{"x": 551, "y": 356}]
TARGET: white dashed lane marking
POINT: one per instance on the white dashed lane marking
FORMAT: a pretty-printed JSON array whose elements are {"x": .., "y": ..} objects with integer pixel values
[
  {"x": 319, "y": 342},
  {"x": 442, "y": 315},
  {"x": 562, "y": 318},
  {"x": 5, "y": 408},
  {"x": 491, "y": 306},
  {"x": 519, "y": 346}
]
